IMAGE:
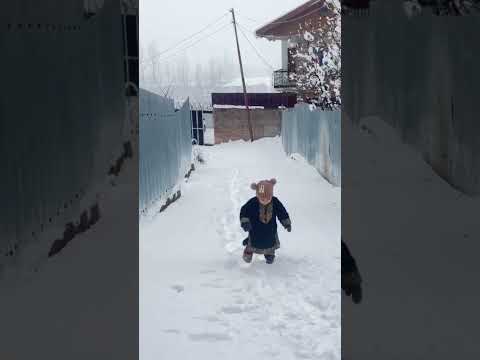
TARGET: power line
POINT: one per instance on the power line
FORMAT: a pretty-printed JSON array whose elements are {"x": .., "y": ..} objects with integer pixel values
[
  {"x": 190, "y": 37},
  {"x": 189, "y": 45},
  {"x": 195, "y": 34},
  {"x": 253, "y": 46},
  {"x": 250, "y": 19},
  {"x": 196, "y": 42},
  {"x": 248, "y": 30}
]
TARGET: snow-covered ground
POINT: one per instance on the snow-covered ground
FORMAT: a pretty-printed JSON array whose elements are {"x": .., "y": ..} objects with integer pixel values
[
  {"x": 81, "y": 304},
  {"x": 415, "y": 239},
  {"x": 199, "y": 300}
]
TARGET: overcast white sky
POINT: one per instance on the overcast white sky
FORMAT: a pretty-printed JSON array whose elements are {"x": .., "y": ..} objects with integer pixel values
[{"x": 169, "y": 21}]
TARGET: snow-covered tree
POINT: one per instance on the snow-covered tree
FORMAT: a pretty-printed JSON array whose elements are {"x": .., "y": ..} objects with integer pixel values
[
  {"x": 317, "y": 59},
  {"x": 212, "y": 73},
  {"x": 229, "y": 69},
  {"x": 153, "y": 59},
  {"x": 199, "y": 80},
  {"x": 416, "y": 7},
  {"x": 442, "y": 7},
  {"x": 358, "y": 7}
]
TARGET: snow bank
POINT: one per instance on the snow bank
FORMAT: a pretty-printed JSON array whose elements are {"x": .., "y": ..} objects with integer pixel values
[
  {"x": 414, "y": 238},
  {"x": 218, "y": 106}
]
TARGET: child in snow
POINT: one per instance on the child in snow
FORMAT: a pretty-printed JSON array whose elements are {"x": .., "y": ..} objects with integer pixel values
[{"x": 258, "y": 217}]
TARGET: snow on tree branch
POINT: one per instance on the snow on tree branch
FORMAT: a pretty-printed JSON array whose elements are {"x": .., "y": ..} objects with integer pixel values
[
  {"x": 442, "y": 7},
  {"x": 318, "y": 59}
]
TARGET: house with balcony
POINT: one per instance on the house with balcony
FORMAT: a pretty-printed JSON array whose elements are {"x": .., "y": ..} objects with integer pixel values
[{"x": 309, "y": 16}]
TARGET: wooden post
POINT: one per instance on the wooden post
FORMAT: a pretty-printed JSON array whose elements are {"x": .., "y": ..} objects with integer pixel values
[{"x": 250, "y": 129}]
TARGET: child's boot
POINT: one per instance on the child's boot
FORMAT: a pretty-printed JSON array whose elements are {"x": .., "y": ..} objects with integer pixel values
[
  {"x": 247, "y": 255},
  {"x": 269, "y": 259}
]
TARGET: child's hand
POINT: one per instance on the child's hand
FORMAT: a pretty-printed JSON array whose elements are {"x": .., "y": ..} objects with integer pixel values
[
  {"x": 287, "y": 224},
  {"x": 246, "y": 226}
]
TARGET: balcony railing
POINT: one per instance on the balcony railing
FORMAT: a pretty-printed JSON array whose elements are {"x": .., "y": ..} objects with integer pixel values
[{"x": 281, "y": 80}]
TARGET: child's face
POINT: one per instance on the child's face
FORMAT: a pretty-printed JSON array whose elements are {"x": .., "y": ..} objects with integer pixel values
[
  {"x": 264, "y": 193},
  {"x": 264, "y": 200}
]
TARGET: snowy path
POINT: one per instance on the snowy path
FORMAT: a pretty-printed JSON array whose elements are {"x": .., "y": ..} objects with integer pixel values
[{"x": 199, "y": 300}]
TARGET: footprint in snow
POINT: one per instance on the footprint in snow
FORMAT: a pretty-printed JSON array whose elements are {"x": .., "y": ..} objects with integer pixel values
[
  {"x": 292, "y": 316},
  {"x": 271, "y": 353},
  {"x": 232, "y": 247},
  {"x": 207, "y": 271},
  {"x": 177, "y": 288},
  {"x": 210, "y": 337},
  {"x": 212, "y": 285},
  {"x": 232, "y": 309},
  {"x": 303, "y": 355},
  {"x": 209, "y": 318}
]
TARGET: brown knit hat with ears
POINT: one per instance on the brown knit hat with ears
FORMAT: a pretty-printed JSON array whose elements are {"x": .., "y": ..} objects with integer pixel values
[{"x": 264, "y": 189}]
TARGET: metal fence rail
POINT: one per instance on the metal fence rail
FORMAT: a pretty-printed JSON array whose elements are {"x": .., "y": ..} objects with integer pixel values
[
  {"x": 165, "y": 147},
  {"x": 315, "y": 135}
]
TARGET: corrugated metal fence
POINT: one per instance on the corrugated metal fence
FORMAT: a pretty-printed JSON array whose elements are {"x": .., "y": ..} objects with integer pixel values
[
  {"x": 315, "y": 135},
  {"x": 416, "y": 74},
  {"x": 64, "y": 108},
  {"x": 165, "y": 147}
]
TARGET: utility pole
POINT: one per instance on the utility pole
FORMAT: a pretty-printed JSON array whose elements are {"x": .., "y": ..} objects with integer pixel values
[{"x": 250, "y": 129}]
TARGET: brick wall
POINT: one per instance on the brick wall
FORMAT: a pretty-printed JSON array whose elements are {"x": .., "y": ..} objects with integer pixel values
[{"x": 232, "y": 124}]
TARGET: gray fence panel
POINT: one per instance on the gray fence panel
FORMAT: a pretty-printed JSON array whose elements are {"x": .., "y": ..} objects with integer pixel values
[
  {"x": 64, "y": 109},
  {"x": 315, "y": 135},
  {"x": 420, "y": 75},
  {"x": 165, "y": 147}
]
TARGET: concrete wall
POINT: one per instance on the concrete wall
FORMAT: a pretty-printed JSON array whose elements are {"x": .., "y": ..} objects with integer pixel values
[
  {"x": 63, "y": 117},
  {"x": 232, "y": 124}
]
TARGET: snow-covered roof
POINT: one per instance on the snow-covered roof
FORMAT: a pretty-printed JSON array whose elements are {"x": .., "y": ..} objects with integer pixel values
[
  {"x": 273, "y": 29},
  {"x": 222, "y": 106}
]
